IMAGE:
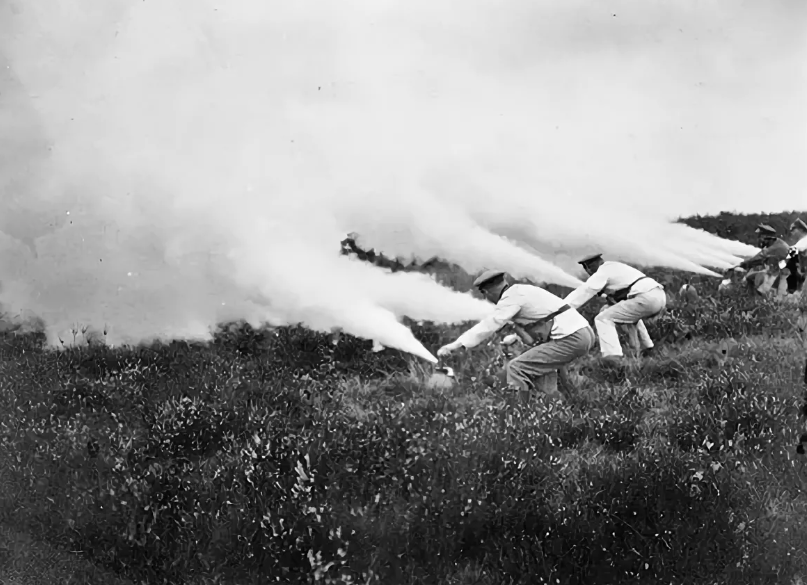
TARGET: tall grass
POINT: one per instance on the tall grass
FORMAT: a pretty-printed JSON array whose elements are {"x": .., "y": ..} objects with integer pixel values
[{"x": 274, "y": 456}]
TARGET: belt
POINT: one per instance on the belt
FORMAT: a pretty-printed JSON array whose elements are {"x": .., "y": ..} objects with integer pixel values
[
  {"x": 540, "y": 329},
  {"x": 623, "y": 293}
]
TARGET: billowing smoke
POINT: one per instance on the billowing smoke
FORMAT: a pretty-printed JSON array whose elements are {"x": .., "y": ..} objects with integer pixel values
[{"x": 165, "y": 166}]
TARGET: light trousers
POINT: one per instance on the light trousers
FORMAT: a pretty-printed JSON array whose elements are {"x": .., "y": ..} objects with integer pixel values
[
  {"x": 537, "y": 368},
  {"x": 630, "y": 313}
]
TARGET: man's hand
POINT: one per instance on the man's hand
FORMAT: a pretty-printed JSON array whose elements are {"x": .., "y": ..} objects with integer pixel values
[
  {"x": 449, "y": 348},
  {"x": 510, "y": 339}
]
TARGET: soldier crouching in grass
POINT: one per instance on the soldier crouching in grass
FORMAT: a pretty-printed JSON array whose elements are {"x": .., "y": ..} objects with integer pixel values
[
  {"x": 632, "y": 297},
  {"x": 556, "y": 333}
]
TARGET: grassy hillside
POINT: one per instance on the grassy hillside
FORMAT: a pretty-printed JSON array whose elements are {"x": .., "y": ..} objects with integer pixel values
[{"x": 274, "y": 456}]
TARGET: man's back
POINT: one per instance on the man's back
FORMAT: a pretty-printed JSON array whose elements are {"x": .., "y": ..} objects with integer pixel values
[
  {"x": 537, "y": 303},
  {"x": 617, "y": 276}
]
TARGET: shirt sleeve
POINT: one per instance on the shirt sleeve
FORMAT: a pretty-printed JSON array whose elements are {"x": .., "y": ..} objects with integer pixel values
[
  {"x": 583, "y": 294},
  {"x": 502, "y": 315}
]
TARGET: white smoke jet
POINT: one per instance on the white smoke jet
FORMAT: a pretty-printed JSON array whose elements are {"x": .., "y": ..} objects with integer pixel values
[
  {"x": 165, "y": 166},
  {"x": 630, "y": 245},
  {"x": 566, "y": 234},
  {"x": 398, "y": 228},
  {"x": 367, "y": 302},
  {"x": 707, "y": 241}
]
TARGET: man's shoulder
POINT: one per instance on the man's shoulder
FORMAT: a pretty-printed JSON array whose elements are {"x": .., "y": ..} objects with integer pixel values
[
  {"x": 777, "y": 247},
  {"x": 524, "y": 290},
  {"x": 516, "y": 290},
  {"x": 513, "y": 290},
  {"x": 611, "y": 264},
  {"x": 525, "y": 287},
  {"x": 629, "y": 267}
]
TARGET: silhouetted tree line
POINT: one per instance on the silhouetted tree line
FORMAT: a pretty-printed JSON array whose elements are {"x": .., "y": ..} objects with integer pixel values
[{"x": 741, "y": 227}]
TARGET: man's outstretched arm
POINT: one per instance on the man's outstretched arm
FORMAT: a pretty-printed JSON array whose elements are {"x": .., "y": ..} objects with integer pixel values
[
  {"x": 588, "y": 290},
  {"x": 501, "y": 316}
]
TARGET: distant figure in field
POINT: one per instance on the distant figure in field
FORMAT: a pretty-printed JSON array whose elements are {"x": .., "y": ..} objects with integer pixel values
[
  {"x": 763, "y": 269},
  {"x": 796, "y": 262},
  {"x": 633, "y": 296},
  {"x": 555, "y": 333},
  {"x": 688, "y": 294}
]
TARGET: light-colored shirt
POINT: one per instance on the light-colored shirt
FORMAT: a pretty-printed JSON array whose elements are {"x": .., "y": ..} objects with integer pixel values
[
  {"x": 524, "y": 304},
  {"x": 801, "y": 245},
  {"x": 609, "y": 278}
]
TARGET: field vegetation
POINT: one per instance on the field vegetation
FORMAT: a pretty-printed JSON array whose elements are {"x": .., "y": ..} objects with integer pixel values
[{"x": 276, "y": 456}]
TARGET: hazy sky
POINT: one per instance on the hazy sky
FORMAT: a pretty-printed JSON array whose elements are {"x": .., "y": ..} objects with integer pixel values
[
  {"x": 179, "y": 162},
  {"x": 698, "y": 106}
]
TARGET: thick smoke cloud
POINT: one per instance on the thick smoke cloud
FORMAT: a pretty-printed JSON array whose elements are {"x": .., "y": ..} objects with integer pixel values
[{"x": 168, "y": 165}]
